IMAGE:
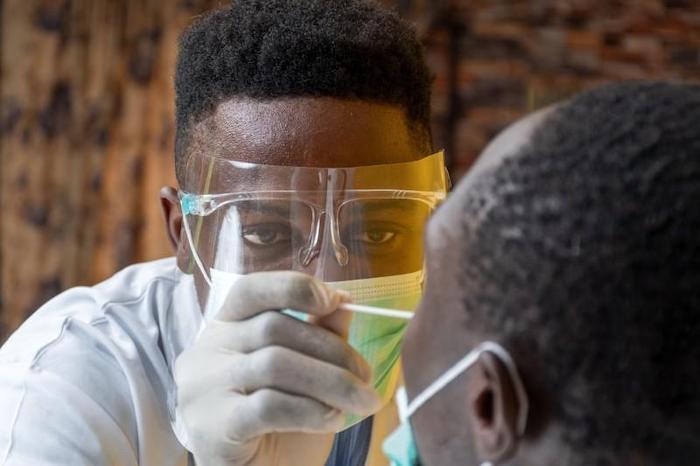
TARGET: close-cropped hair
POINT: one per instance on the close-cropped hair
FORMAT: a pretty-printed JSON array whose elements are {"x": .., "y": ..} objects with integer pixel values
[
  {"x": 267, "y": 49},
  {"x": 585, "y": 260}
]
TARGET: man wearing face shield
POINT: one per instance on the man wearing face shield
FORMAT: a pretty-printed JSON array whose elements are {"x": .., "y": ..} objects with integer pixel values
[{"x": 306, "y": 176}]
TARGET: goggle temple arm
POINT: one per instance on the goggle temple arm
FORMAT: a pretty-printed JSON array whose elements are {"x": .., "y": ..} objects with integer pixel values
[{"x": 186, "y": 208}]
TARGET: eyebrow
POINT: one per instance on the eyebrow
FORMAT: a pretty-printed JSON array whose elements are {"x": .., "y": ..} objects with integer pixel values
[
  {"x": 401, "y": 205},
  {"x": 266, "y": 208}
]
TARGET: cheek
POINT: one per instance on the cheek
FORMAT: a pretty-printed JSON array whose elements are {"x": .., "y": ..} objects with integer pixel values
[
  {"x": 441, "y": 429},
  {"x": 442, "y": 435},
  {"x": 423, "y": 355},
  {"x": 414, "y": 354}
]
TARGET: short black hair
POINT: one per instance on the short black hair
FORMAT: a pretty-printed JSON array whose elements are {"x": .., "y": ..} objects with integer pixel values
[
  {"x": 266, "y": 49},
  {"x": 585, "y": 261}
]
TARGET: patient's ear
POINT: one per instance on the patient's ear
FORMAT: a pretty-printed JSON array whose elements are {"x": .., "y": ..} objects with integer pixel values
[{"x": 493, "y": 409}]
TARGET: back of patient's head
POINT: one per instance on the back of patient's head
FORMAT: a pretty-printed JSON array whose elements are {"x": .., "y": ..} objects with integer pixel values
[{"x": 585, "y": 260}]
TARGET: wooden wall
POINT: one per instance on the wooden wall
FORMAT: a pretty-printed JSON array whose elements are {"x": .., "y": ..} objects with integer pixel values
[
  {"x": 86, "y": 121},
  {"x": 86, "y": 109}
]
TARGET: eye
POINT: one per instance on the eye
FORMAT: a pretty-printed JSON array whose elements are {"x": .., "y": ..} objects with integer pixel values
[
  {"x": 266, "y": 235},
  {"x": 375, "y": 237}
]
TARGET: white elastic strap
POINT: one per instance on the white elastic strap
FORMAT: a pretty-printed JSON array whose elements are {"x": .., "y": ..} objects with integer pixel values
[
  {"x": 465, "y": 363},
  {"x": 197, "y": 260},
  {"x": 402, "y": 403}
]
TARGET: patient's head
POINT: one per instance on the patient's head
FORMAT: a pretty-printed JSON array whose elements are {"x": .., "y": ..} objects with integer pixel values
[{"x": 575, "y": 243}]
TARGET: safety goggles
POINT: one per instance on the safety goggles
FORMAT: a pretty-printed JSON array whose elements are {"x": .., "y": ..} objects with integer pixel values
[{"x": 333, "y": 223}]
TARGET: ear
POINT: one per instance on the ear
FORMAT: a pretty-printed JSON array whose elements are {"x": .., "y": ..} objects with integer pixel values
[
  {"x": 172, "y": 215},
  {"x": 493, "y": 409},
  {"x": 170, "y": 206}
]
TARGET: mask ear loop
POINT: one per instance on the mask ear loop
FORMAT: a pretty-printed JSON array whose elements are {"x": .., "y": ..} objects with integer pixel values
[
  {"x": 195, "y": 255},
  {"x": 188, "y": 232},
  {"x": 465, "y": 363}
]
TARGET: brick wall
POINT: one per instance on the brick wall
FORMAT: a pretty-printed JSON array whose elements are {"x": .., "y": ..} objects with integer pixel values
[{"x": 496, "y": 60}]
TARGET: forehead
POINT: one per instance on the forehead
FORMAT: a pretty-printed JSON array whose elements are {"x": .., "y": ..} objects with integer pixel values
[
  {"x": 306, "y": 131},
  {"x": 447, "y": 238},
  {"x": 506, "y": 145},
  {"x": 447, "y": 233}
]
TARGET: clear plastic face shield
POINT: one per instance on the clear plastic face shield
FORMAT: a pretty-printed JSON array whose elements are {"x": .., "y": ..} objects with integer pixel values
[{"x": 359, "y": 229}]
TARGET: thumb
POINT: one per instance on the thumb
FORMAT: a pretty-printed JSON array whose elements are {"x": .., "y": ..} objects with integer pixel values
[{"x": 337, "y": 321}]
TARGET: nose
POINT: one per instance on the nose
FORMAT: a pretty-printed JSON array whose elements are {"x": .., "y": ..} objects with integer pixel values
[
  {"x": 313, "y": 246},
  {"x": 320, "y": 241},
  {"x": 325, "y": 255},
  {"x": 339, "y": 249},
  {"x": 329, "y": 264}
]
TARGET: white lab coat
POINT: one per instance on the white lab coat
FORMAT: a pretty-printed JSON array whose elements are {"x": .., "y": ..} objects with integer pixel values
[{"x": 87, "y": 379}]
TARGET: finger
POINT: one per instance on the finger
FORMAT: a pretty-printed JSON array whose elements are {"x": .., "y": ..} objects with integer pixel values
[
  {"x": 263, "y": 291},
  {"x": 267, "y": 411},
  {"x": 337, "y": 321},
  {"x": 286, "y": 370},
  {"x": 198, "y": 370},
  {"x": 276, "y": 329}
]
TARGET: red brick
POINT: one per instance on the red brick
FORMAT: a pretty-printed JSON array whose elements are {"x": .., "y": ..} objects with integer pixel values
[
  {"x": 521, "y": 55},
  {"x": 507, "y": 30},
  {"x": 480, "y": 69},
  {"x": 583, "y": 39},
  {"x": 647, "y": 46}
]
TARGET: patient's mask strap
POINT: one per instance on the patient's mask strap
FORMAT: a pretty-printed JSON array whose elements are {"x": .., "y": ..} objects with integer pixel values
[
  {"x": 465, "y": 363},
  {"x": 402, "y": 403}
]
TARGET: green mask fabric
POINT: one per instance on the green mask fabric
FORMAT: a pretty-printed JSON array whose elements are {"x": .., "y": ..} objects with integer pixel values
[{"x": 377, "y": 338}]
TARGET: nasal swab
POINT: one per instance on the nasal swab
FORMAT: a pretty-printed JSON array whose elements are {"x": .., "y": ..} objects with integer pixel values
[{"x": 377, "y": 311}]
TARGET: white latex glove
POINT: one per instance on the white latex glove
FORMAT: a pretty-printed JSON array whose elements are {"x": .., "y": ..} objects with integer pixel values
[{"x": 259, "y": 388}]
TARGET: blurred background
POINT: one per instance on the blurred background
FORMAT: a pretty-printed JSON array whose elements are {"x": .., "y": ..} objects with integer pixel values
[{"x": 87, "y": 102}]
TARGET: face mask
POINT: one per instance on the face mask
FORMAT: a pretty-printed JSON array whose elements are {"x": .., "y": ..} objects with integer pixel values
[
  {"x": 400, "y": 447},
  {"x": 376, "y": 338}
]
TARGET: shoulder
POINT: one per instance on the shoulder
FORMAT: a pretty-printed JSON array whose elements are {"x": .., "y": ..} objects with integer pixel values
[
  {"x": 137, "y": 281},
  {"x": 85, "y": 309},
  {"x": 89, "y": 350},
  {"x": 99, "y": 338}
]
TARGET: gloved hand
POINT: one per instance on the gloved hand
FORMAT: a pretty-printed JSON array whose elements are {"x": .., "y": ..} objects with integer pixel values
[{"x": 260, "y": 388}]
